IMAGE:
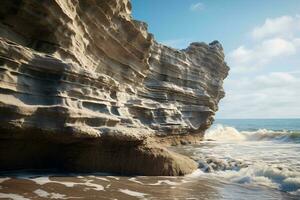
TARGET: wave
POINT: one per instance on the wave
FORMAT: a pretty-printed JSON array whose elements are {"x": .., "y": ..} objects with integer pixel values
[
  {"x": 273, "y": 176},
  {"x": 226, "y": 133},
  {"x": 277, "y": 176},
  {"x": 270, "y": 160},
  {"x": 223, "y": 133}
]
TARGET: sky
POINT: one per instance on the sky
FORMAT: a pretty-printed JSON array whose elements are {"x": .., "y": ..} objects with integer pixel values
[{"x": 261, "y": 41}]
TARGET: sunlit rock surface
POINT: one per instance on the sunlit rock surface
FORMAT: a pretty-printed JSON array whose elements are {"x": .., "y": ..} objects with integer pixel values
[{"x": 85, "y": 87}]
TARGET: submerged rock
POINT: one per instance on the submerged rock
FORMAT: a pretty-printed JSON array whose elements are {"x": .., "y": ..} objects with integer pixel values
[{"x": 85, "y": 87}]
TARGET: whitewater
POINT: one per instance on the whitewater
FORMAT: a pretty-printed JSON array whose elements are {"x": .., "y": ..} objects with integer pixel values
[{"x": 251, "y": 154}]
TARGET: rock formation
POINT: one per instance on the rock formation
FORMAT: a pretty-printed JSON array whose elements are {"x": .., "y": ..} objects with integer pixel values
[{"x": 84, "y": 87}]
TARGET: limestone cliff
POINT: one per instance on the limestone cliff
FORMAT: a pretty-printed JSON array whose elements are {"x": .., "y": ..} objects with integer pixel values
[{"x": 85, "y": 87}]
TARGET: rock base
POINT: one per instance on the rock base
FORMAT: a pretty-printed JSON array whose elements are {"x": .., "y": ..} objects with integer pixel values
[{"x": 126, "y": 158}]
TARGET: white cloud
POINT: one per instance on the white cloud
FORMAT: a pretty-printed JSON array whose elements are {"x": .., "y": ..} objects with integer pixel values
[
  {"x": 296, "y": 41},
  {"x": 276, "y": 47},
  {"x": 257, "y": 91},
  {"x": 271, "y": 95},
  {"x": 277, "y": 38},
  {"x": 276, "y": 79},
  {"x": 284, "y": 25},
  {"x": 197, "y": 6},
  {"x": 245, "y": 59}
]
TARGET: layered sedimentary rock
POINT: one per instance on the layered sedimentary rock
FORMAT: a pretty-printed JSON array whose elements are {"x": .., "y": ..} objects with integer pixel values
[{"x": 85, "y": 87}]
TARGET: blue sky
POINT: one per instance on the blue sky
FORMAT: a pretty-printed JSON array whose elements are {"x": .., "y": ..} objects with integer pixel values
[{"x": 261, "y": 40}]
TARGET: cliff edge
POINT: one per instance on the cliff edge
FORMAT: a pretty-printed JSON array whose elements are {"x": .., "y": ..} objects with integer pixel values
[{"x": 84, "y": 87}]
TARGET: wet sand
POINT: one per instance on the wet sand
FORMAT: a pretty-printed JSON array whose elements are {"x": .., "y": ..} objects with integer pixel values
[{"x": 23, "y": 186}]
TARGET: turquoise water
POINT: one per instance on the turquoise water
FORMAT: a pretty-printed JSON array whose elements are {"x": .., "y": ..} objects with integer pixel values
[
  {"x": 256, "y": 124},
  {"x": 284, "y": 130}
]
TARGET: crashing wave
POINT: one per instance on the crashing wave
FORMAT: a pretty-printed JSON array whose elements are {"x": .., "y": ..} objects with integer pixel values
[
  {"x": 274, "y": 176},
  {"x": 226, "y": 133},
  {"x": 245, "y": 169},
  {"x": 237, "y": 171}
]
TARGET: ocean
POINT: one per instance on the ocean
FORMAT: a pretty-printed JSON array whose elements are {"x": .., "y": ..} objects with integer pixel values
[{"x": 238, "y": 159}]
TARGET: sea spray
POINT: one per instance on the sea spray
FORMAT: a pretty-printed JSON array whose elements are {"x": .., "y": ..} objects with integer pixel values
[
  {"x": 226, "y": 133},
  {"x": 249, "y": 157}
]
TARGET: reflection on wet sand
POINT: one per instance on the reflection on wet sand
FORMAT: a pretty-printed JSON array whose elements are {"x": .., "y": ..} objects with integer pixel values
[
  {"x": 100, "y": 187},
  {"x": 23, "y": 187}
]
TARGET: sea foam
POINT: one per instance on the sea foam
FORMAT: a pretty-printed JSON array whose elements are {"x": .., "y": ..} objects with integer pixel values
[
  {"x": 258, "y": 157},
  {"x": 227, "y": 133}
]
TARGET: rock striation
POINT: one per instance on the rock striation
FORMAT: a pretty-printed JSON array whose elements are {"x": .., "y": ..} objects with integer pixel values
[{"x": 85, "y": 87}]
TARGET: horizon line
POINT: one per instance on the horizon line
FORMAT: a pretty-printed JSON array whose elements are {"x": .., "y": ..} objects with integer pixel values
[{"x": 256, "y": 118}]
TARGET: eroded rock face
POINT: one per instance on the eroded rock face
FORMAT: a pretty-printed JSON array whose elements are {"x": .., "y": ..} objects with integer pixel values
[{"x": 83, "y": 76}]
